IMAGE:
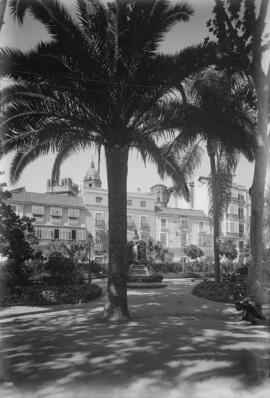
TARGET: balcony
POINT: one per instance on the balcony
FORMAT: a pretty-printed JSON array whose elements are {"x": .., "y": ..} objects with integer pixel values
[
  {"x": 145, "y": 226},
  {"x": 131, "y": 226},
  {"x": 100, "y": 224}
]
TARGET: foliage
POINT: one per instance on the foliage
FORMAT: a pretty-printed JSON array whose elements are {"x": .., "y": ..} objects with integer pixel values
[
  {"x": 228, "y": 249},
  {"x": 16, "y": 233},
  {"x": 223, "y": 291},
  {"x": 62, "y": 270},
  {"x": 157, "y": 253},
  {"x": 165, "y": 267},
  {"x": 43, "y": 294},
  {"x": 193, "y": 251}
]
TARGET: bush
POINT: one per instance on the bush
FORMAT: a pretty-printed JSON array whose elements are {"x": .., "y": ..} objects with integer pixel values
[
  {"x": 62, "y": 270},
  {"x": 12, "y": 273},
  {"x": 219, "y": 291},
  {"x": 165, "y": 267},
  {"x": 43, "y": 294},
  {"x": 145, "y": 279}
]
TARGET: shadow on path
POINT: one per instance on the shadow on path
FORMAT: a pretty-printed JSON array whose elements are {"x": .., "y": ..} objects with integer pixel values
[{"x": 173, "y": 340}]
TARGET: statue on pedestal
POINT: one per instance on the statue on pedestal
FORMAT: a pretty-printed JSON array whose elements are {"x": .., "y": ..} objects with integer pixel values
[{"x": 136, "y": 243}]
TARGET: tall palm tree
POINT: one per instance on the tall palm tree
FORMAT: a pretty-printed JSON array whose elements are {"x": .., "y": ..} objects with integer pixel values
[
  {"x": 101, "y": 82},
  {"x": 216, "y": 110}
]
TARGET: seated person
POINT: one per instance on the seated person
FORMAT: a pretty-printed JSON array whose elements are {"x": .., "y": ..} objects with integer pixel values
[{"x": 248, "y": 307}]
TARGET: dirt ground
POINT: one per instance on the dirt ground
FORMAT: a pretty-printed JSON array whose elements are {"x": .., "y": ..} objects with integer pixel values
[{"x": 176, "y": 345}]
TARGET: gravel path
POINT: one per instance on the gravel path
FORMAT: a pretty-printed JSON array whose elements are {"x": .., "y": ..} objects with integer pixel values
[{"x": 176, "y": 345}]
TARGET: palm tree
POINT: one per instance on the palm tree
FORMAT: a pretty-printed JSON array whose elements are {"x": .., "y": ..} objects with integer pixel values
[
  {"x": 99, "y": 82},
  {"x": 217, "y": 111}
]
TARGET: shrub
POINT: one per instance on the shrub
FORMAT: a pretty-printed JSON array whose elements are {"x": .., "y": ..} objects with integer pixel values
[
  {"x": 43, "y": 294},
  {"x": 146, "y": 279},
  {"x": 62, "y": 270},
  {"x": 13, "y": 273},
  {"x": 165, "y": 267},
  {"x": 219, "y": 291}
]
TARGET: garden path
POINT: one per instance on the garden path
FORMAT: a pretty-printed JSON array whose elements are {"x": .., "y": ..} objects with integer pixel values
[{"x": 176, "y": 345}]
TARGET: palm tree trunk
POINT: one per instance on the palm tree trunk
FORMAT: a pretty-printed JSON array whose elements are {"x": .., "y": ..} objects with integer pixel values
[
  {"x": 211, "y": 153},
  {"x": 3, "y": 6},
  {"x": 257, "y": 195},
  {"x": 117, "y": 165}
]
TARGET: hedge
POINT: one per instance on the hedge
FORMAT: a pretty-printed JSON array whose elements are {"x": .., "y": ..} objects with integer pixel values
[{"x": 44, "y": 294}]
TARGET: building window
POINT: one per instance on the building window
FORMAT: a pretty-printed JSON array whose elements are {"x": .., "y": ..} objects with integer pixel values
[
  {"x": 205, "y": 240},
  {"x": 163, "y": 223},
  {"x": 73, "y": 213},
  {"x": 73, "y": 234},
  {"x": 98, "y": 237},
  {"x": 38, "y": 233},
  {"x": 163, "y": 239},
  {"x": 241, "y": 230},
  {"x": 56, "y": 234},
  {"x": 56, "y": 211},
  {"x": 144, "y": 220},
  {"x": 38, "y": 210},
  {"x": 145, "y": 236},
  {"x": 184, "y": 222},
  {"x": 234, "y": 194},
  {"x": 241, "y": 198},
  {"x": 38, "y": 217},
  {"x": 233, "y": 209},
  {"x": 143, "y": 203},
  {"x": 241, "y": 213},
  {"x": 130, "y": 220},
  {"x": 201, "y": 226},
  {"x": 232, "y": 227},
  {"x": 99, "y": 219},
  {"x": 99, "y": 199},
  {"x": 129, "y": 202}
]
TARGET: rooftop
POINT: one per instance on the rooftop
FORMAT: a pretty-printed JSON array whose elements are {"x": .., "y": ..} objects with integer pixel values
[
  {"x": 45, "y": 199},
  {"x": 181, "y": 212}
]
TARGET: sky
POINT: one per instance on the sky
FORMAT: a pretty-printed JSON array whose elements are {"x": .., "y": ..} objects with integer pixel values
[{"x": 139, "y": 175}]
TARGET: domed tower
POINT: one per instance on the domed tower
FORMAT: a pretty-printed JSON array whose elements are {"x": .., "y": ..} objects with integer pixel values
[
  {"x": 92, "y": 178},
  {"x": 161, "y": 194}
]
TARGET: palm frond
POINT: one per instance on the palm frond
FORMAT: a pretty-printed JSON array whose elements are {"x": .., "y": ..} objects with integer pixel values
[
  {"x": 167, "y": 163},
  {"x": 226, "y": 164}
]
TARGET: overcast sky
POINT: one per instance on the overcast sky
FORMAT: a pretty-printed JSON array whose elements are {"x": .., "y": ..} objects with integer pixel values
[{"x": 139, "y": 176}]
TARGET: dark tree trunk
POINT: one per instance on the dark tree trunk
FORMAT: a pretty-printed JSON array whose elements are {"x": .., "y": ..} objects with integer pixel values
[
  {"x": 257, "y": 193},
  {"x": 211, "y": 153},
  {"x": 117, "y": 165}
]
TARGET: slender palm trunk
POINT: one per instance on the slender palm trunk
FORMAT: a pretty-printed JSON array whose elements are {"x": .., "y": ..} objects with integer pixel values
[
  {"x": 257, "y": 195},
  {"x": 211, "y": 153},
  {"x": 3, "y": 6},
  {"x": 117, "y": 165}
]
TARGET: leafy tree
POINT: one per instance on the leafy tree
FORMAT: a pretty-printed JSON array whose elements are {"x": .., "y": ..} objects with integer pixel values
[
  {"x": 59, "y": 103},
  {"x": 16, "y": 233},
  {"x": 228, "y": 249},
  {"x": 193, "y": 251},
  {"x": 239, "y": 26}
]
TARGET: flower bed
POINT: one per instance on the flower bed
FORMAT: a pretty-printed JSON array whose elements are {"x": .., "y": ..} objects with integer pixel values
[
  {"x": 219, "y": 292},
  {"x": 43, "y": 294}
]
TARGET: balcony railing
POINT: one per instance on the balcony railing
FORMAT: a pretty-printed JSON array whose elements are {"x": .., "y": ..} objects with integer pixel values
[{"x": 100, "y": 223}]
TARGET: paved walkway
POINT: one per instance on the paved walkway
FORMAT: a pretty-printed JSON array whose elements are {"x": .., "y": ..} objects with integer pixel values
[{"x": 176, "y": 345}]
